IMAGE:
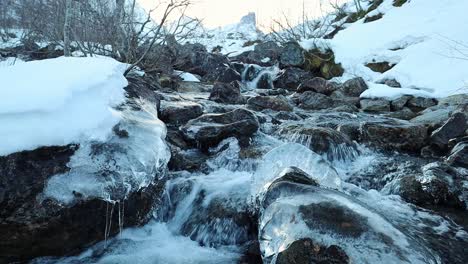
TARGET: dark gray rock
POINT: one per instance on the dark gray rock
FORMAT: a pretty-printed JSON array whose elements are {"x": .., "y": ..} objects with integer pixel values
[
  {"x": 291, "y": 78},
  {"x": 265, "y": 50},
  {"x": 292, "y": 55},
  {"x": 210, "y": 129},
  {"x": 313, "y": 101},
  {"x": 322, "y": 140},
  {"x": 404, "y": 114},
  {"x": 354, "y": 87},
  {"x": 400, "y": 103},
  {"x": 375, "y": 105},
  {"x": 459, "y": 155},
  {"x": 276, "y": 103},
  {"x": 265, "y": 81},
  {"x": 418, "y": 104},
  {"x": 454, "y": 127},
  {"x": 178, "y": 113},
  {"x": 394, "y": 135},
  {"x": 227, "y": 93},
  {"x": 32, "y": 227},
  {"x": 224, "y": 74},
  {"x": 305, "y": 251},
  {"x": 319, "y": 85}
]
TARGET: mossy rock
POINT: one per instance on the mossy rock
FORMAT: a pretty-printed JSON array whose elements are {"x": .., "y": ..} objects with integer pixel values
[
  {"x": 322, "y": 64},
  {"x": 331, "y": 69},
  {"x": 399, "y": 3}
]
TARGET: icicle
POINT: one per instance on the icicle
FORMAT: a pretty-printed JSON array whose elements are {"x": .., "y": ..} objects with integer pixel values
[{"x": 107, "y": 221}]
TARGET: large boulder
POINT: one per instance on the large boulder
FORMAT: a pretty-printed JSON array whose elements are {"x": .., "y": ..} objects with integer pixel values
[
  {"x": 322, "y": 140},
  {"x": 459, "y": 154},
  {"x": 178, "y": 113},
  {"x": 454, "y": 127},
  {"x": 394, "y": 135},
  {"x": 224, "y": 74},
  {"x": 439, "y": 185},
  {"x": 228, "y": 93},
  {"x": 375, "y": 105},
  {"x": 314, "y": 101},
  {"x": 292, "y": 55},
  {"x": 210, "y": 129},
  {"x": 276, "y": 103},
  {"x": 291, "y": 78},
  {"x": 319, "y": 85},
  {"x": 305, "y": 251},
  {"x": 353, "y": 87},
  {"x": 32, "y": 225}
]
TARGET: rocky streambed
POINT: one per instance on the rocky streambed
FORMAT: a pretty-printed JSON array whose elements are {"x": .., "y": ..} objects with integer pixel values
[{"x": 269, "y": 162}]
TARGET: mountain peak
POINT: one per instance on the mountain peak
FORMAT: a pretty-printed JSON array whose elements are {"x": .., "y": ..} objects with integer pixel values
[{"x": 249, "y": 19}]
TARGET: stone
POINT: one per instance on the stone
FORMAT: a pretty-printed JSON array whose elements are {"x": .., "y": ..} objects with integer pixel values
[
  {"x": 305, "y": 251},
  {"x": 403, "y": 114},
  {"x": 375, "y": 105},
  {"x": 354, "y": 87},
  {"x": 265, "y": 50},
  {"x": 380, "y": 66},
  {"x": 292, "y": 55},
  {"x": 313, "y": 101},
  {"x": 390, "y": 82},
  {"x": 459, "y": 155},
  {"x": 400, "y": 102},
  {"x": 276, "y": 103},
  {"x": 393, "y": 135},
  {"x": 223, "y": 74},
  {"x": 227, "y": 93},
  {"x": 32, "y": 227},
  {"x": 209, "y": 130},
  {"x": 291, "y": 78},
  {"x": 454, "y": 127},
  {"x": 322, "y": 140},
  {"x": 420, "y": 103},
  {"x": 178, "y": 113},
  {"x": 319, "y": 85}
]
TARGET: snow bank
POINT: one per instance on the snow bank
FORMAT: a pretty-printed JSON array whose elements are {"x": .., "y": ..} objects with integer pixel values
[
  {"x": 58, "y": 102},
  {"x": 425, "y": 38}
]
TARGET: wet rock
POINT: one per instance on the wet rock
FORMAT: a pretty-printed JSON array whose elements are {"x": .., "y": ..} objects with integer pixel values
[
  {"x": 394, "y": 135},
  {"x": 319, "y": 85},
  {"x": 194, "y": 58},
  {"x": 177, "y": 113},
  {"x": 186, "y": 160},
  {"x": 420, "y": 103},
  {"x": 292, "y": 55},
  {"x": 226, "y": 93},
  {"x": 313, "y": 101},
  {"x": 276, "y": 103},
  {"x": 375, "y": 105},
  {"x": 433, "y": 118},
  {"x": 459, "y": 155},
  {"x": 287, "y": 116},
  {"x": 143, "y": 88},
  {"x": 322, "y": 140},
  {"x": 223, "y": 74},
  {"x": 294, "y": 175},
  {"x": 265, "y": 81},
  {"x": 291, "y": 78},
  {"x": 346, "y": 108},
  {"x": 210, "y": 129},
  {"x": 31, "y": 227},
  {"x": 400, "y": 103},
  {"x": 431, "y": 189},
  {"x": 305, "y": 251},
  {"x": 404, "y": 114},
  {"x": 454, "y": 127}
]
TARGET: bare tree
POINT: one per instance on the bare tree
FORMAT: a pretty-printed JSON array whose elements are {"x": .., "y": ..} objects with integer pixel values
[{"x": 67, "y": 28}]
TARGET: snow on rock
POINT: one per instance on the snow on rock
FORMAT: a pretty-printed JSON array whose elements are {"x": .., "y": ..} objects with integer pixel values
[
  {"x": 187, "y": 77},
  {"x": 58, "y": 102},
  {"x": 426, "y": 39}
]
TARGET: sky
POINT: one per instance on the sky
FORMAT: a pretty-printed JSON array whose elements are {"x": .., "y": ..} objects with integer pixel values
[{"x": 217, "y": 13}]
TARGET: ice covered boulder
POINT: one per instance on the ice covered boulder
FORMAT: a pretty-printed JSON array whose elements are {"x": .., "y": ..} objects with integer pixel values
[{"x": 84, "y": 156}]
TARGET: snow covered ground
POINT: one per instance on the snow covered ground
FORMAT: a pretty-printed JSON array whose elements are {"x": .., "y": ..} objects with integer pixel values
[
  {"x": 427, "y": 40},
  {"x": 58, "y": 101}
]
